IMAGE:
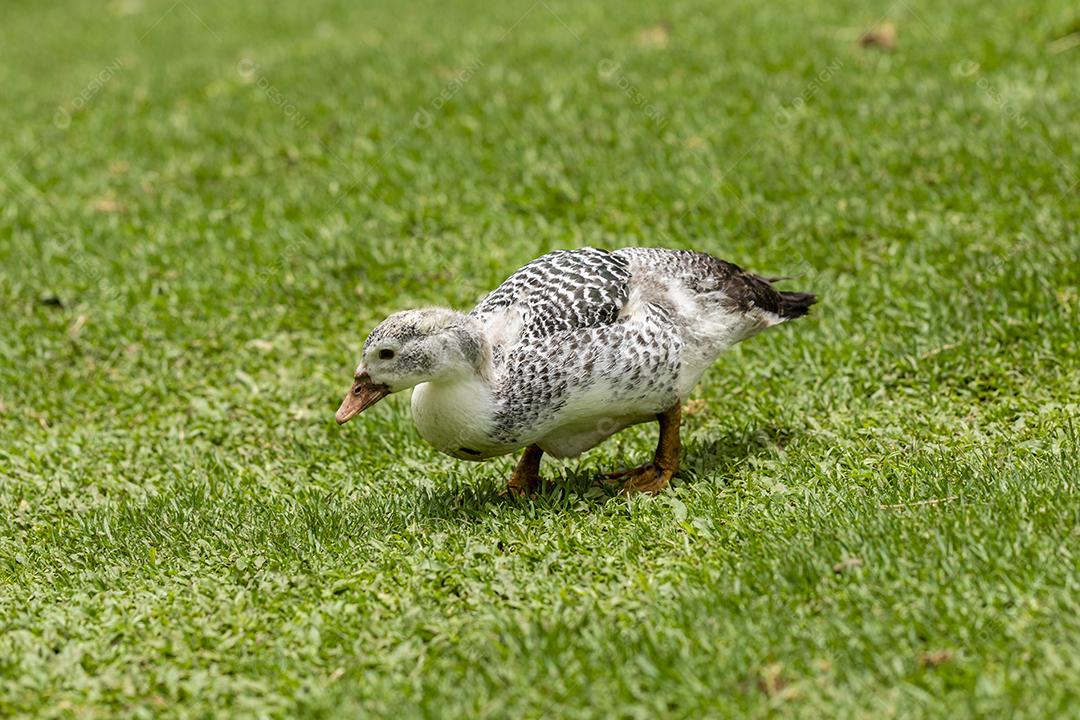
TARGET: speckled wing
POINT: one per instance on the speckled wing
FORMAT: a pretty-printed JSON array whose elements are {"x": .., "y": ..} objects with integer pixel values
[{"x": 563, "y": 290}]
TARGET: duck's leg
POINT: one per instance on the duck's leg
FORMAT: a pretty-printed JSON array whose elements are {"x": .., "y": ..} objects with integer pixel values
[
  {"x": 655, "y": 476},
  {"x": 526, "y": 475}
]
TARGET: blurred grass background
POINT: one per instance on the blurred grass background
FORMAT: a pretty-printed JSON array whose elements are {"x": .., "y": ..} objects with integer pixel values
[{"x": 207, "y": 206}]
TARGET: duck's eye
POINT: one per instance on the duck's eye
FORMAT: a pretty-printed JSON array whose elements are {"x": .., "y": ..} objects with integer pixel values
[{"x": 386, "y": 354}]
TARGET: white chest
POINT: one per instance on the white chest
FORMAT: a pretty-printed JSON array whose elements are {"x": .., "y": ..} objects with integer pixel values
[{"x": 456, "y": 417}]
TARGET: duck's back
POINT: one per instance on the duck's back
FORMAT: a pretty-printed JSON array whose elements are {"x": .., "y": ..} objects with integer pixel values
[{"x": 562, "y": 290}]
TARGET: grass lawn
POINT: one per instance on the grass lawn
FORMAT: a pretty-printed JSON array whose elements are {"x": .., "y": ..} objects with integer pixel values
[{"x": 206, "y": 206}]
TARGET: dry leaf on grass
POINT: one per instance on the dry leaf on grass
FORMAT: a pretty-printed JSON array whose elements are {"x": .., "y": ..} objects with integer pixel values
[
  {"x": 695, "y": 142},
  {"x": 933, "y": 658},
  {"x": 846, "y": 564},
  {"x": 77, "y": 326},
  {"x": 654, "y": 36},
  {"x": 919, "y": 503},
  {"x": 264, "y": 345},
  {"x": 771, "y": 680},
  {"x": 106, "y": 205},
  {"x": 883, "y": 36}
]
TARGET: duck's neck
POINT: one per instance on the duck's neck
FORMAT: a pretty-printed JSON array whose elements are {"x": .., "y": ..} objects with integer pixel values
[{"x": 456, "y": 415}]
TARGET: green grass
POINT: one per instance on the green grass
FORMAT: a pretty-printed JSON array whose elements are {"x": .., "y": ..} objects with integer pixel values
[{"x": 205, "y": 209}]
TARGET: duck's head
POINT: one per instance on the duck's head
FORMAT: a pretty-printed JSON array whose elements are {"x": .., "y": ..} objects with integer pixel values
[{"x": 412, "y": 347}]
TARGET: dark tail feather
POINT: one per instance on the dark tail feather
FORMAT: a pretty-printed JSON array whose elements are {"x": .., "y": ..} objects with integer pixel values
[{"x": 795, "y": 304}]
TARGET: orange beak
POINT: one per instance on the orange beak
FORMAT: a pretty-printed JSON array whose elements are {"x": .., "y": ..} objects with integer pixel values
[{"x": 363, "y": 395}]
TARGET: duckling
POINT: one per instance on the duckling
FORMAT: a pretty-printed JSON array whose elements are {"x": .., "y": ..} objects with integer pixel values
[{"x": 572, "y": 348}]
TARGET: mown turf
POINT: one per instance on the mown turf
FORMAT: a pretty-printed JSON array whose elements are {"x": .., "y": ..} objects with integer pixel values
[{"x": 206, "y": 206}]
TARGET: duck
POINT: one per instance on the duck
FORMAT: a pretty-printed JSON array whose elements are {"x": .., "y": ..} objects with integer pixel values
[{"x": 570, "y": 349}]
